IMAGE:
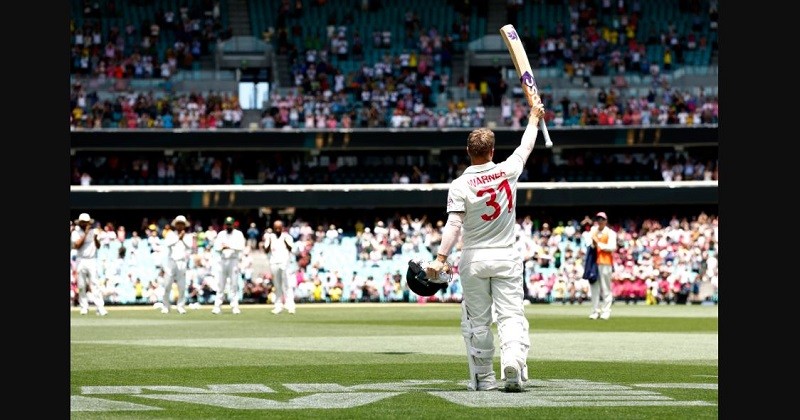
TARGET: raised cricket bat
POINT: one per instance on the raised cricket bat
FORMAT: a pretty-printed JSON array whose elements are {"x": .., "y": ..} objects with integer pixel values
[{"x": 524, "y": 71}]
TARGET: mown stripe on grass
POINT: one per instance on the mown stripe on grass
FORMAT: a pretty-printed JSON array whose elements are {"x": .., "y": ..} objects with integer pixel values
[
  {"x": 531, "y": 399},
  {"x": 571, "y": 346},
  {"x": 681, "y": 385}
]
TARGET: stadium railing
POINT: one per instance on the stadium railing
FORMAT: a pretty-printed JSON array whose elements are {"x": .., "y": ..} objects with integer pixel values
[{"x": 394, "y": 196}]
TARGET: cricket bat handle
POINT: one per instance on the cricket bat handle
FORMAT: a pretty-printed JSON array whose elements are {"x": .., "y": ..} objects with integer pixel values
[
  {"x": 542, "y": 125},
  {"x": 545, "y": 133}
]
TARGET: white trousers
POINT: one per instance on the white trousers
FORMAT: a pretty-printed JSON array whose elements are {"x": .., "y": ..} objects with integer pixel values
[
  {"x": 87, "y": 277},
  {"x": 284, "y": 292},
  {"x": 493, "y": 277},
  {"x": 229, "y": 271},
  {"x": 175, "y": 273},
  {"x": 601, "y": 290}
]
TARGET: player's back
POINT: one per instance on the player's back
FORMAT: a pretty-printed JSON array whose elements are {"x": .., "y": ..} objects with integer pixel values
[{"x": 487, "y": 194}]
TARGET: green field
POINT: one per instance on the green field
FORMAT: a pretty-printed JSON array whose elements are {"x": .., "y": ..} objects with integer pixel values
[{"x": 344, "y": 361}]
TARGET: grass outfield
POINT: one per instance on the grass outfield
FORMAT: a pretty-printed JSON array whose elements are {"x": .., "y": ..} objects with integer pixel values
[{"x": 344, "y": 361}]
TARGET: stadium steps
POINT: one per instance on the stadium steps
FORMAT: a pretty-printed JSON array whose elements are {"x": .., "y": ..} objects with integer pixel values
[
  {"x": 239, "y": 18},
  {"x": 458, "y": 68},
  {"x": 282, "y": 72},
  {"x": 497, "y": 16},
  {"x": 251, "y": 116},
  {"x": 493, "y": 114},
  {"x": 260, "y": 263}
]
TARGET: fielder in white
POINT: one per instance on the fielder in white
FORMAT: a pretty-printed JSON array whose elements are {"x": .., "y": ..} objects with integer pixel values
[
  {"x": 229, "y": 244},
  {"x": 178, "y": 247},
  {"x": 278, "y": 246},
  {"x": 482, "y": 201},
  {"x": 86, "y": 241}
]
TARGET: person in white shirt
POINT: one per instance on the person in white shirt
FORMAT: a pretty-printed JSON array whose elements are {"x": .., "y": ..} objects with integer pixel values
[
  {"x": 178, "y": 246},
  {"x": 228, "y": 245},
  {"x": 482, "y": 202},
  {"x": 86, "y": 240},
  {"x": 278, "y": 245}
]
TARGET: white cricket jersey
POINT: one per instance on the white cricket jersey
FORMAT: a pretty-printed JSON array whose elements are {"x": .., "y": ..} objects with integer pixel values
[
  {"x": 234, "y": 240},
  {"x": 88, "y": 249},
  {"x": 487, "y": 194},
  {"x": 278, "y": 253},
  {"x": 177, "y": 249}
]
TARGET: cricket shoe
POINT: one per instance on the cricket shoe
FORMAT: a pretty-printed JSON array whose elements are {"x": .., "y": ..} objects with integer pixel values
[
  {"x": 594, "y": 315},
  {"x": 236, "y": 311},
  {"x": 276, "y": 311},
  {"x": 84, "y": 311},
  {"x": 291, "y": 311},
  {"x": 486, "y": 382},
  {"x": 605, "y": 315},
  {"x": 513, "y": 379},
  {"x": 102, "y": 312},
  {"x": 181, "y": 310},
  {"x": 216, "y": 310},
  {"x": 165, "y": 310},
  {"x": 418, "y": 265}
]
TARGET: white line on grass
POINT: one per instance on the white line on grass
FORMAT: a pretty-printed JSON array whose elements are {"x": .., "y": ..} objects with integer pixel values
[
  {"x": 79, "y": 403},
  {"x": 531, "y": 399}
]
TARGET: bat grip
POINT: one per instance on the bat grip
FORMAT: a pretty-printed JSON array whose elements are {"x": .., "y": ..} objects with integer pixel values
[{"x": 545, "y": 133}]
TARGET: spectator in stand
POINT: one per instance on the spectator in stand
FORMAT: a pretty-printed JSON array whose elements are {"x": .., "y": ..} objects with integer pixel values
[{"x": 252, "y": 236}]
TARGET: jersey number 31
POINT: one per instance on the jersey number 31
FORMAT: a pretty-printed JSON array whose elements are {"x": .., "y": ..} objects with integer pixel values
[{"x": 504, "y": 186}]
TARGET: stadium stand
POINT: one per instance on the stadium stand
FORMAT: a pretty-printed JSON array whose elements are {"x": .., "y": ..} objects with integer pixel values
[
  {"x": 396, "y": 69},
  {"x": 642, "y": 58},
  {"x": 153, "y": 168},
  {"x": 658, "y": 262}
]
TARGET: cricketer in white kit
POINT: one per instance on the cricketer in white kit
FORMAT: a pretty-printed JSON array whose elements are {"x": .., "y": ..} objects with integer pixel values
[
  {"x": 178, "y": 247},
  {"x": 278, "y": 246},
  {"x": 229, "y": 244},
  {"x": 482, "y": 201},
  {"x": 86, "y": 240}
]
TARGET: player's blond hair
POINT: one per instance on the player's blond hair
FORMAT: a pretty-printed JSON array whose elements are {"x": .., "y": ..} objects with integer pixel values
[{"x": 480, "y": 142}]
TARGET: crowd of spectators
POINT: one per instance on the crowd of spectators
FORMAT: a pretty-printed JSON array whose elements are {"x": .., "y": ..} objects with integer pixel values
[
  {"x": 659, "y": 107},
  {"x": 149, "y": 42},
  {"x": 337, "y": 86},
  {"x": 194, "y": 110},
  {"x": 598, "y": 38},
  {"x": 606, "y": 37},
  {"x": 668, "y": 261},
  {"x": 379, "y": 108},
  {"x": 411, "y": 168}
]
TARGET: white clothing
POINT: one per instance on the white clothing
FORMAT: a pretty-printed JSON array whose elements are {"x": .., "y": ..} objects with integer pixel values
[
  {"x": 279, "y": 259},
  {"x": 491, "y": 267},
  {"x": 228, "y": 246},
  {"x": 86, "y": 265},
  {"x": 279, "y": 251},
  {"x": 487, "y": 193},
  {"x": 177, "y": 260},
  {"x": 178, "y": 249}
]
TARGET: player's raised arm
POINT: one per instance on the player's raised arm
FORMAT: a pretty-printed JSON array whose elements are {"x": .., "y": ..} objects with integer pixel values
[{"x": 531, "y": 131}]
